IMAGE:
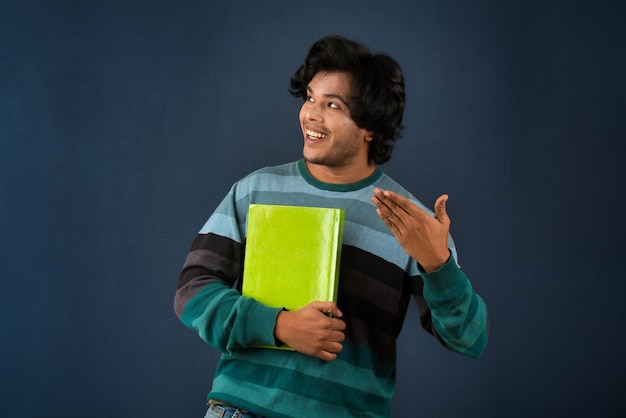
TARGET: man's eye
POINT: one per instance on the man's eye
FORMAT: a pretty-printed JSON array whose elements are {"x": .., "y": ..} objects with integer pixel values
[
  {"x": 333, "y": 105},
  {"x": 309, "y": 99}
]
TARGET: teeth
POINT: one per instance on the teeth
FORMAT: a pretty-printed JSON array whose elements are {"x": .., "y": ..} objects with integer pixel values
[{"x": 315, "y": 134}]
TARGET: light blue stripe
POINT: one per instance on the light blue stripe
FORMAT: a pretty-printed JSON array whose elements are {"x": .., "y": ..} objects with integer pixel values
[
  {"x": 287, "y": 187},
  {"x": 222, "y": 224}
]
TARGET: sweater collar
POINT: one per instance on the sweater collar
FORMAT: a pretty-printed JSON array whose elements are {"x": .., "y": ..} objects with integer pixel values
[{"x": 350, "y": 187}]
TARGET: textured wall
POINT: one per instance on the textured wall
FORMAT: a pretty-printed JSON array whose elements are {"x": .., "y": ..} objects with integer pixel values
[{"x": 122, "y": 125}]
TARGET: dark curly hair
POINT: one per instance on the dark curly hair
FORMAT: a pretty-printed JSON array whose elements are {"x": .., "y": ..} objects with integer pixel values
[{"x": 377, "y": 100}]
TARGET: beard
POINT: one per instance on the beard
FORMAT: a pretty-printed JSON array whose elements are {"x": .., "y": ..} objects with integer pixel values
[{"x": 336, "y": 156}]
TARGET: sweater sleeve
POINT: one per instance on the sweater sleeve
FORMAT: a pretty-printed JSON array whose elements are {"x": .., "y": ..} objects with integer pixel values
[
  {"x": 459, "y": 315},
  {"x": 206, "y": 300}
]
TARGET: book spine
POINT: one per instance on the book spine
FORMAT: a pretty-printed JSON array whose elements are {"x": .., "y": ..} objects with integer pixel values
[{"x": 336, "y": 254}]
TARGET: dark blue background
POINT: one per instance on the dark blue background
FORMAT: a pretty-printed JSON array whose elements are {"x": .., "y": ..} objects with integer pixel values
[{"x": 123, "y": 124}]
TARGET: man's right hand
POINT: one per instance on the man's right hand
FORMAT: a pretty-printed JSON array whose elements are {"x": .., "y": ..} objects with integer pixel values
[{"x": 309, "y": 330}]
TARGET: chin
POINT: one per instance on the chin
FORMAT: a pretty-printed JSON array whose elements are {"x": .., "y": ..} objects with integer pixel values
[
  {"x": 309, "y": 156},
  {"x": 311, "y": 159}
]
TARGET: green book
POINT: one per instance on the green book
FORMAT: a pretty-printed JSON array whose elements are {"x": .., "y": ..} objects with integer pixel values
[{"x": 292, "y": 255}]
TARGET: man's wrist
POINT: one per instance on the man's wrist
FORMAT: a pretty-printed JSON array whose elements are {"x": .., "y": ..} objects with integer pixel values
[
  {"x": 277, "y": 340},
  {"x": 437, "y": 264}
]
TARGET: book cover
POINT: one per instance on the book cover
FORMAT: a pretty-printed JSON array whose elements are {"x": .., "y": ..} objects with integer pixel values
[{"x": 292, "y": 255}]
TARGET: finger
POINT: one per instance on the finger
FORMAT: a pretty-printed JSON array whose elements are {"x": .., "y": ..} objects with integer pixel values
[
  {"x": 329, "y": 308},
  {"x": 394, "y": 223},
  {"x": 388, "y": 218},
  {"x": 337, "y": 325},
  {"x": 382, "y": 202},
  {"x": 395, "y": 201},
  {"x": 328, "y": 351},
  {"x": 389, "y": 211},
  {"x": 326, "y": 356},
  {"x": 333, "y": 347},
  {"x": 440, "y": 209},
  {"x": 338, "y": 336}
]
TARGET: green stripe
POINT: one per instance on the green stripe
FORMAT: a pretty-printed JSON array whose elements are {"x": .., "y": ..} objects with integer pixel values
[{"x": 341, "y": 385}]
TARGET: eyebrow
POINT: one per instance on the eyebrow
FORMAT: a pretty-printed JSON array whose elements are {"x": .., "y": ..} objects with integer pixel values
[{"x": 331, "y": 96}]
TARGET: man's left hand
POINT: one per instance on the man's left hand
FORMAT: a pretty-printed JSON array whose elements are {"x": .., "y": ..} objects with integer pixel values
[{"x": 424, "y": 237}]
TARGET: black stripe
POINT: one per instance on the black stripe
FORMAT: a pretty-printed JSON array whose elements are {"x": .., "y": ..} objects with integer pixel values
[
  {"x": 374, "y": 296},
  {"x": 213, "y": 256}
]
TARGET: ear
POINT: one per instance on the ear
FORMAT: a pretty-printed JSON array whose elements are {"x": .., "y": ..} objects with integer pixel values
[{"x": 369, "y": 136}]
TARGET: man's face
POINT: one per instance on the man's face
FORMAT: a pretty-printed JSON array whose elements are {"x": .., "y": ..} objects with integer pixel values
[{"x": 331, "y": 138}]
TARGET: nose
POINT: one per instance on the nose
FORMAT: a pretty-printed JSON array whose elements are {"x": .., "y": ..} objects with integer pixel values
[{"x": 312, "y": 111}]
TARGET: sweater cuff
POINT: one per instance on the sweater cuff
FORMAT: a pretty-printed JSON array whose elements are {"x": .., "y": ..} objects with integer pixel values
[
  {"x": 261, "y": 324},
  {"x": 445, "y": 282}
]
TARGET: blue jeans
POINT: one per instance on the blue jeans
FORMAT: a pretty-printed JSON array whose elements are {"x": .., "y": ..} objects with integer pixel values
[{"x": 224, "y": 411}]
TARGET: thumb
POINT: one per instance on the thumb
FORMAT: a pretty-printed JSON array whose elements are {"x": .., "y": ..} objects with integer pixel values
[
  {"x": 440, "y": 209},
  {"x": 328, "y": 308}
]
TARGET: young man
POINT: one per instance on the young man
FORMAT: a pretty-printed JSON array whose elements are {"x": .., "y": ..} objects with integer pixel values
[{"x": 394, "y": 249}]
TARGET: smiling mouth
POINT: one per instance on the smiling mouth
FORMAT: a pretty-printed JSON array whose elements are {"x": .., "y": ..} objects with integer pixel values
[{"x": 315, "y": 134}]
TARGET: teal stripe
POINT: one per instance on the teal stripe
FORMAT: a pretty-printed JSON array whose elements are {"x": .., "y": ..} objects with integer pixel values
[
  {"x": 471, "y": 332},
  {"x": 356, "y": 363},
  {"x": 219, "y": 304},
  {"x": 331, "y": 383},
  {"x": 299, "y": 383},
  {"x": 448, "y": 287},
  {"x": 456, "y": 324},
  {"x": 199, "y": 314}
]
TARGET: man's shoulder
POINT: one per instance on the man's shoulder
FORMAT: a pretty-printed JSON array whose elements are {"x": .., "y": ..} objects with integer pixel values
[
  {"x": 285, "y": 169},
  {"x": 269, "y": 177},
  {"x": 388, "y": 183}
]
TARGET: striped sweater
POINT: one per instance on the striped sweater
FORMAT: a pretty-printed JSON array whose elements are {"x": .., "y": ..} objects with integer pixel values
[{"x": 377, "y": 281}]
